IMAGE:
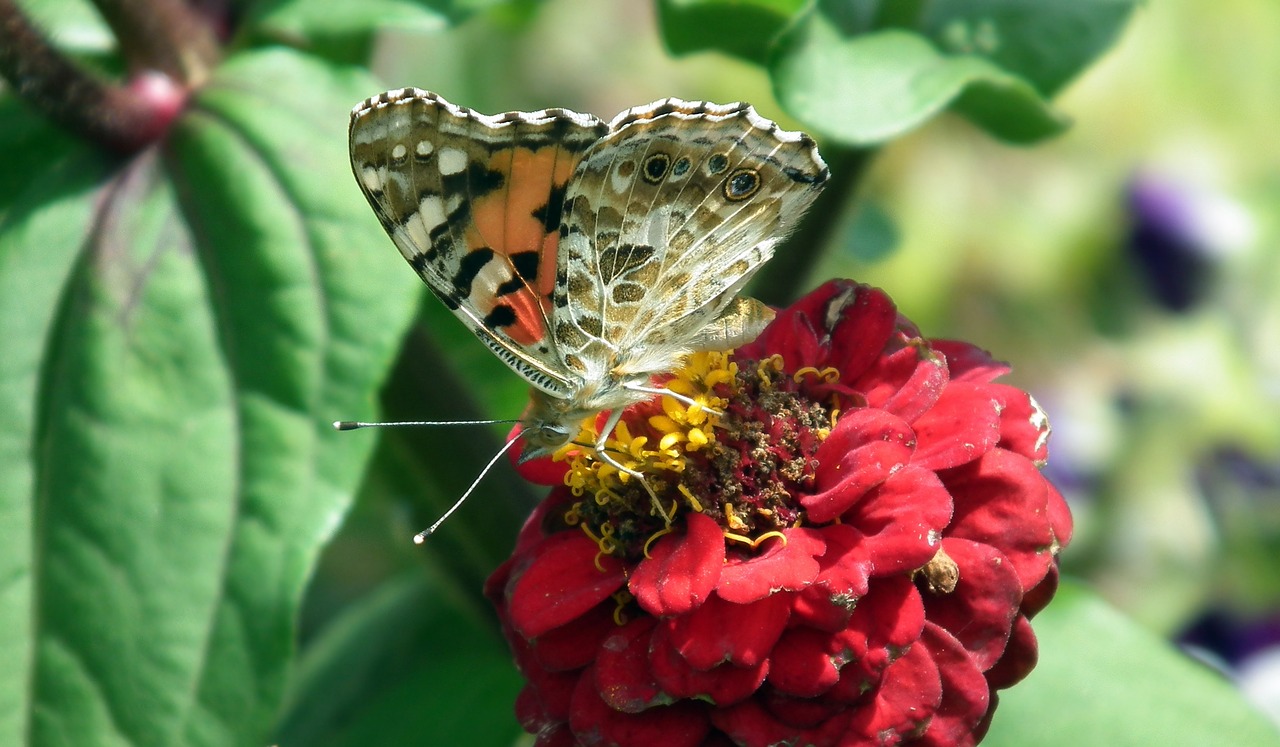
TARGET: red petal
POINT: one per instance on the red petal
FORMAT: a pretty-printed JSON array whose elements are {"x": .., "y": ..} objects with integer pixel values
[
  {"x": 720, "y": 631},
  {"x": 573, "y": 645},
  {"x": 683, "y": 724},
  {"x": 962, "y": 425},
  {"x": 965, "y": 695},
  {"x": 622, "y": 669},
  {"x": 751, "y": 724},
  {"x": 802, "y": 663},
  {"x": 903, "y": 520},
  {"x": 682, "y": 570},
  {"x": 1035, "y": 600},
  {"x": 865, "y": 447},
  {"x": 789, "y": 565},
  {"x": 560, "y": 582},
  {"x": 1002, "y": 500},
  {"x": 862, "y": 325},
  {"x": 981, "y": 609},
  {"x": 906, "y": 382},
  {"x": 1020, "y": 657},
  {"x": 721, "y": 686},
  {"x": 846, "y": 566},
  {"x": 906, "y": 699},
  {"x": 885, "y": 622},
  {"x": 968, "y": 362},
  {"x": 1024, "y": 427}
]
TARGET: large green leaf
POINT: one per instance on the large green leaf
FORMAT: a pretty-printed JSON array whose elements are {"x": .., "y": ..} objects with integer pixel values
[
  {"x": 177, "y": 341},
  {"x": 863, "y": 89},
  {"x": 413, "y": 664},
  {"x": 1047, "y": 42},
  {"x": 742, "y": 28},
  {"x": 1103, "y": 680}
]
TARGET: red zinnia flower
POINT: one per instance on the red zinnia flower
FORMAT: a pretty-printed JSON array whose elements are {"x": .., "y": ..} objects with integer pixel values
[{"x": 853, "y": 535}]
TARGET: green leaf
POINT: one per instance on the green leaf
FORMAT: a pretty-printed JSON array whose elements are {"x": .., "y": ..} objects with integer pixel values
[
  {"x": 340, "y": 31},
  {"x": 414, "y": 664},
  {"x": 345, "y": 31},
  {"x": 867, "y": 89},
  {"x": 1047, "y": 43},
  {"x": 177, "y": 341},
  {"x": 742, "y": 28},
  {"x": 1103, "y": 680}
]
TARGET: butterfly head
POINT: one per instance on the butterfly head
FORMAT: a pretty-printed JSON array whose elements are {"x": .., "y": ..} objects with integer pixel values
[{"x": 549, "y": 423}]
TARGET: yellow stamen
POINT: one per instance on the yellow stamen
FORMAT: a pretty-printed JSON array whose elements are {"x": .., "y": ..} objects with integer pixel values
[
  {"x": 694, "y": 503},
  {"x": 649, "y": 542}
]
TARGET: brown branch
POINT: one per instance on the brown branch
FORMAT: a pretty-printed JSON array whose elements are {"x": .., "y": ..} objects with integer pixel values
[
  {"x": 122, "y": 118},
  {"x": 165, "y": 35}
]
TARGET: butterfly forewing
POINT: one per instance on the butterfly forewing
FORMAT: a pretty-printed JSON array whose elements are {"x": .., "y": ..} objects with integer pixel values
[
  {"x": 474, "y": 204},
  {"x": 666, "y": 219}
]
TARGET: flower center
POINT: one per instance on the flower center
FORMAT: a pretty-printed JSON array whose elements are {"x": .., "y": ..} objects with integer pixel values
[{"x": 740, "y": 454}]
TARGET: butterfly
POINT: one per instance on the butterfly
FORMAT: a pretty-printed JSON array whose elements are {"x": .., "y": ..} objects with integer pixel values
[{"x": 589, "y": 257}]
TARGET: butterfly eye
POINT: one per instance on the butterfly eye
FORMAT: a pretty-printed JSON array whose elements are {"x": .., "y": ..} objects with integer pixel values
[
  {"x": 741, "y": 184},
  {"x": 655, "y": 167},
  {"x": 717, "y": 164}
]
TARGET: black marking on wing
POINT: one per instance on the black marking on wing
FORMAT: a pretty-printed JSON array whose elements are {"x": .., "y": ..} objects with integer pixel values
[
  {"x": 476, "y": 179},
  {"x": 525, "y": 265},
  {"x": 470, "y": 266},
  {"x": 550, "y": 213},
  {"x": 501, "y": 316}
]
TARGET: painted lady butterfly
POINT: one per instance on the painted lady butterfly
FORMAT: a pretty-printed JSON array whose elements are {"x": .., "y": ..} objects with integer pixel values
[{"x": 588, "y": 256}]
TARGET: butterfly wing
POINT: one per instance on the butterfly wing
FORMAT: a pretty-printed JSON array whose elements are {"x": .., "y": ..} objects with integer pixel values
[
  {"x": 666, "y": 219},
  {"x": 474, "y": 202}
]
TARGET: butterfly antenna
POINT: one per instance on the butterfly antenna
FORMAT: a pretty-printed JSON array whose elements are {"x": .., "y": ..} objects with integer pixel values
[
  {"x": 422, "y": 536},
  {"x": 351, "y": 425}
]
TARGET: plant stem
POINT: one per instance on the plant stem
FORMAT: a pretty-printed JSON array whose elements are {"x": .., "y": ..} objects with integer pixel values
[
  {"x": 784, "y": 277},
  {"x": 168, "y": 36},
  {"x": 170, "y": 48}
]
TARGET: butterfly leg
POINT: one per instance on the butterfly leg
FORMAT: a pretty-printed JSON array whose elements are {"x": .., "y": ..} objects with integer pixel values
[
  {"x": 676, "y": 395},
  {"x": 609, "y": 425}
]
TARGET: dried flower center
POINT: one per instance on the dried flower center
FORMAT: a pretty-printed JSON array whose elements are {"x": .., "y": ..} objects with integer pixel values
[{"x": 739, "y": 454}]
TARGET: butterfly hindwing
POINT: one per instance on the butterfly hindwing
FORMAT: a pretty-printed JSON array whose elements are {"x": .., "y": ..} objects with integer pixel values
[
  {"x": 474, "y": 202},
  {"x": 666, "y": 219}
]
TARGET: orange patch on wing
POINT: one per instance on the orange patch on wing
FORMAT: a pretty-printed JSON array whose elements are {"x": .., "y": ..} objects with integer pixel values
[{"x": 504, "y": 220}]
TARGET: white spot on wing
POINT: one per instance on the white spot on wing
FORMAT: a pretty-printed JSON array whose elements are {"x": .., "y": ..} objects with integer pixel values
[{"x": 452, "y": 161}]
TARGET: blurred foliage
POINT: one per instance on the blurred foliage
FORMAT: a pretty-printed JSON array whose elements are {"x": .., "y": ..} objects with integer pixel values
[{"x": 181, "y": 325}]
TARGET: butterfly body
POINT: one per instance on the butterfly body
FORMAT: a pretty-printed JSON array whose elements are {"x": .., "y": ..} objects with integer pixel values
[{"x": 589, "y": 257}]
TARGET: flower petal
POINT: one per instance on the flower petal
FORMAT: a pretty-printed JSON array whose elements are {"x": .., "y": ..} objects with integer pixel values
[
  {"x": 683, "y": 569},
  {"x": 623, "y": 677},
  {"x": 720, "y": 631},
  {"x": 969, "y": 362},
  {"x": 562, "y": 584},
  {"x": 865, "y": 447},
  {"x": 684, "y": 724},
  {"x": 981, "y": 609},
  {"x": 906, "y": 700},
  {"x": 965, "y": 694},
  {"x": 1024, "y": 427},
  {"x": 902, "y": 519},
  {"x": 1002, "y": 500},
  {"x": 845, "y": 569},
  {"x": 751, "y": 724},
  {"x": 859, "y": 325},
  {"x": 803, "y": 665},
  {"x": 786, "y": 565},
  {"x": 961, "y": 426},
  {"x": 905, "y": 382},
  {"x": 721, "y": 686}
]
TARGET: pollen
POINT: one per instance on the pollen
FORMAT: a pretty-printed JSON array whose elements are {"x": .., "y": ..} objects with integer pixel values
[{"x": 735, "y": 445}]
